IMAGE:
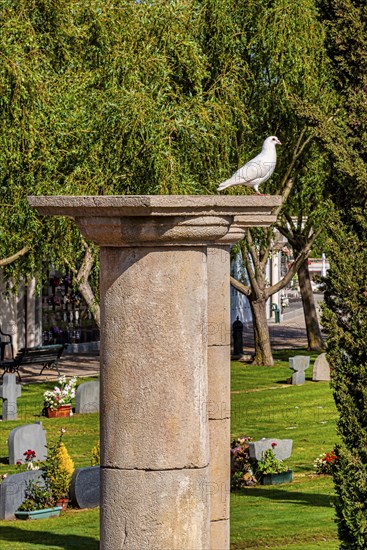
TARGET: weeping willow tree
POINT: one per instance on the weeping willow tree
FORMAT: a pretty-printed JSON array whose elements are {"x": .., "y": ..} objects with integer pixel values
[
  {"x": 155, "y": 97},
  {"x": 107, "y": 98}
]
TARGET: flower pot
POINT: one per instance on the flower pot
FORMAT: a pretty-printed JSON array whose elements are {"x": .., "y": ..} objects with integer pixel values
[
  {"x": 63, "y": 410},
  {"x": 63, "y": 503},
  {"x": 39, "y": 514},
  {"x": 276, "y": 479}
]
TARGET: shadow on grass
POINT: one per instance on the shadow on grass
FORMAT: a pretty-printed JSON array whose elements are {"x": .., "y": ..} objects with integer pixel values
[
  {"x": 289, "y": 380},
  {"x": 285, "y": 497},
  {"x": 46, "y": 539}
]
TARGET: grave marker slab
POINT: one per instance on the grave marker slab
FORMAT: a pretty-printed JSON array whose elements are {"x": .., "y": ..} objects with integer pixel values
[
  {"x": 29, "y": 436},
  {"x": 87, "y": 398},
  {"x": 299, "y": 364},
  {"x": 282, "y": 449},
  {"x": 321, "y": 369},
  {"x": 9, "y": 391},
  {"x": 84, "y": 488},
  {"x": 12, "y": 491}
]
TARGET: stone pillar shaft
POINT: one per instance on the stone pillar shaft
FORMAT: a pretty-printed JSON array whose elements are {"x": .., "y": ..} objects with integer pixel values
[
  {"x": 219, "y": 393},
  {"x": 154, "y": 437}
]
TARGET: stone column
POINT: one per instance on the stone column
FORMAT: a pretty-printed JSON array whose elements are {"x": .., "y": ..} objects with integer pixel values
[
  {"x": 154, "y": 441},
  {"x": 34, "y": 315},
  {"x": 275, "y": 276},
  {"x": 219, "y": 330},
  {"x": 154, "y": 354}
]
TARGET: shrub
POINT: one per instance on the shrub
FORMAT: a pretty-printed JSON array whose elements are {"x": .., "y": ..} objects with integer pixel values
[
  {"x": 96, "y": 451},
  {"x": 37, "y": 497},
  {"x": 58, "y": 469},
  {"x": 345, "y": 319},
  {"x": 269, "y": 464}
]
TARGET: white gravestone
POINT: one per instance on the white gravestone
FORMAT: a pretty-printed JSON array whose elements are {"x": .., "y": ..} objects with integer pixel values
[
  {"x": 29, "y": 436},
  {"x": 299, "y": 364},
  {"x": 282, "y": 448},
  {"x": 321, "y": 369},
  {"x": 9, "y": 391},
  {"x": 87, "y": 398}
]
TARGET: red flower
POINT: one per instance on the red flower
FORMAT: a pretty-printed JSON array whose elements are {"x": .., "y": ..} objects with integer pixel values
[
  {"x": 274, "y": 444},
  {"x": 29, "y": 454}
]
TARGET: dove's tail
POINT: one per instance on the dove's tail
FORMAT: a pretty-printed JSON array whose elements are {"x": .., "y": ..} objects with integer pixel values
[{"x": 229, "y": 183}]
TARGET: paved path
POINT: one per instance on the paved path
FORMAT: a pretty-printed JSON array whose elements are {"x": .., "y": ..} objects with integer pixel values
[
  {"x": 289, "y": 333},
  {"x": 70, "y": 365},
  {"x": 286, "y": 334}
]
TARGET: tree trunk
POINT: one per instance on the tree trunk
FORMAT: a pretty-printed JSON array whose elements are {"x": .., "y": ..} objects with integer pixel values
[
  {"x": 314, "y": 337},
  {"x": 85, "y": 288},
  {"x": 263, "y": 354}
]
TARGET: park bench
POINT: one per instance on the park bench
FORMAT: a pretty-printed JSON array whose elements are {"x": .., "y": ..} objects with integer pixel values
[{"x": 47, "y": 356}]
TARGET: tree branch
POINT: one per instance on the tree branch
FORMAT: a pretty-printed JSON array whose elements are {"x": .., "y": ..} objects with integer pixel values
[
  {"x": 295, "y": 267},
  {"x": 83, "y": 285},
  {"x": 246, "y": 290},
  {"x": 288, "y": 234},
  {"x": 287, "y": 182},
  {"x": 288, "y": 277},
  {"x": 252, "y": 249},
  {"x": 14, "y": 257},
  {"x": 247, "y": 264},
  {"x": 290, "y": 221},
  {"x": 269, "y": 234}
]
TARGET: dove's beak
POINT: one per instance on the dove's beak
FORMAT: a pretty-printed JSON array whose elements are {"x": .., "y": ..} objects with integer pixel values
[{"x": 278, "y": 142}]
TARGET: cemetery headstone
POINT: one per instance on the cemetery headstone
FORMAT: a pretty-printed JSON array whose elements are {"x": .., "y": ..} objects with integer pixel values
[
  {"x": 299, "y": 364},
  {"x": 12, "y": 491},
  {"x": 282, "y": 448},
  {"x": 321, "y": 369},
  {"x": 9, "y": 391},
  {"x": 29, "y": 436},
  {"x": 84, "y": 488},
  {"x": 87, "y": 398}
]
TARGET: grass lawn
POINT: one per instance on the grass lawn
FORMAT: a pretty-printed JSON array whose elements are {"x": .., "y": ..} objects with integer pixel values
[
  {"x": 76, "y": 529},
  {"x": 82, "y": 431},
  {"x": 297, "y": 516}
]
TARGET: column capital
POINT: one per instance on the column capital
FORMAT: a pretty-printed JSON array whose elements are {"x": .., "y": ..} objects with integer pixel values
[{"x": 161, "y": 220}]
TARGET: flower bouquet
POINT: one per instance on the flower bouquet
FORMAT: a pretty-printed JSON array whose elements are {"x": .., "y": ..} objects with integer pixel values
[
  {"x": 61, "y": 395},
  {"x": 325, "y": 463},
  {"x": 241, "y": 464},
  {"x": 29, "y": 461}
]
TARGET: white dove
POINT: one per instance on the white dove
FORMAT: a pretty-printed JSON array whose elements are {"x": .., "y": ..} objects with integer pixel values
[{"x": 257, "y": 170}]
